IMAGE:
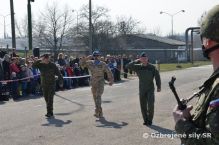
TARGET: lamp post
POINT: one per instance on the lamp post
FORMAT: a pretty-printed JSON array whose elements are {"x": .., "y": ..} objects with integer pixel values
[
  {"x": 4, "y": 17},
  {"x": 12, "y": 24},
  {"x": 29, "y": 24},
  {"x": 172, "y": 15},
  {"x": 76, "y": 18},
  {"x": 90, "y": 28}
]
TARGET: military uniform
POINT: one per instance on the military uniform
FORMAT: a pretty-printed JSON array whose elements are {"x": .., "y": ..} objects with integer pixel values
[
  {"x": 48, "y": 82},
  {"x": 146, "y": 75},
  {"x": 205, "y": 120},
  {"x": 202, "y": 127},
  {"x": 97, "y": 81}
]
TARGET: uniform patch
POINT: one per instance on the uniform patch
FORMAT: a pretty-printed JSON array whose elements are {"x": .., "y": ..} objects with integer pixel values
[{"x": 214, "y": 104}]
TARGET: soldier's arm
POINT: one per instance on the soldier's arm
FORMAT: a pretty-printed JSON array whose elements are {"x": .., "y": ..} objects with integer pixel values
[
  {"x": 109, "y": 73},
  {"x": 37, "y": 64},
  {"x": 210, "y": 134},
  {"x": 157, "y": 79},
  {"x": 134, "y": 65},
  {"x": 85, "y": 61}
]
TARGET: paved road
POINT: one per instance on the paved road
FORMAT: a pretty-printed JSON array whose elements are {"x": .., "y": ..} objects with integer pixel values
[{"x": 23, "y": 122}]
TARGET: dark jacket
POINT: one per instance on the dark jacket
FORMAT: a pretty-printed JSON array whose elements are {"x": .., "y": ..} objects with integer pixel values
[
  {"x": 146, "y": 75},
  {"x": 48, "y": 73}
]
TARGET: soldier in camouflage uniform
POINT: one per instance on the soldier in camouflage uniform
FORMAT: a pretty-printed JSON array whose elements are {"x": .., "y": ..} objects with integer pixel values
[
  {"x": 97, "y": 69},
  {"x": 48, "y": 72},
  {"x": 205, "y": 119},
  {"x": 146, "y": 73}
]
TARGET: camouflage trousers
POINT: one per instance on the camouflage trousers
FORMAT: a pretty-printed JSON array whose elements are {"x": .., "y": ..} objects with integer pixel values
[
  {"x": 97, "y": 89},
  {"x": 147, "y": 105},
  {"x": 48, "y": 93}
]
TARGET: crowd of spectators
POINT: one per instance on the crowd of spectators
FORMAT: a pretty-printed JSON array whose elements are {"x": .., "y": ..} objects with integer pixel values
[{"x": 19, "y": 79}]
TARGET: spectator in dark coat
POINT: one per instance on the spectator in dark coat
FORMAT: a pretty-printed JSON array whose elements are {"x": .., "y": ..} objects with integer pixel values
[
  {"x": 61, "y": 60},
  {"x": 1, "y": 70},
  {"x": 14, "y": 54},
  {"x": 1, "y": 75},
  {"x": 77, "y": 72},
  {"x": 6, "y": 67},
  {"x": 125, "y": 69}
]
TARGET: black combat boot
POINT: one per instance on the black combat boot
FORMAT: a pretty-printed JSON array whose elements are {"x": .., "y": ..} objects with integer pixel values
[{"x": 49, "y": 114}]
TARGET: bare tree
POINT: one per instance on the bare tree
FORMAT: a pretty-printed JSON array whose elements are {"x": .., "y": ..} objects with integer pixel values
[
  {"x": 22, "y": 27},
  {"x": 127, "y": 25},
  {"x": 102, "y": 27},
  {"x": 105, "y": 30},
  {"x": 141, "y": 30},
  {"x": 157, "y": 31},
  {"x": 53, "y": 27},
  {"x": 40, "y": 36},
  {"x": 98, "y": 13}
]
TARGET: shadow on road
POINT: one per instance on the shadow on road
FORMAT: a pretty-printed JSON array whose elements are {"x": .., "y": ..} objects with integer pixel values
[
  {"x": 2, "y": 102},
  {"x": 20, "y": 98},
  {"x": 108, "y": 124},
  {"x": 56, "y": 122},
  {"x": 121, "y": 81},
  {"x": 162, "y": 130},
  {"x": 81, "y": 106},
  {"x": 106, "y": 101}
]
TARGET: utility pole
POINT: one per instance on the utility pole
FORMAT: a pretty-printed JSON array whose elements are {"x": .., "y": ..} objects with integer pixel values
[
  {"x": 77, "y": 19},
  {"x": 12, "y": 24},
  {"x": 4, "y": 17},
  {"x": 4, "y": 29},
  {"x": 90, "y": 28},
  {"x": 172, "y": 15},
  {"x": 29, "y": 24}
]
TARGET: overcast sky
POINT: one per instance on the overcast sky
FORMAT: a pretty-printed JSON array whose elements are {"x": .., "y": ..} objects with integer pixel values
[{"x": 145, "y": 11}]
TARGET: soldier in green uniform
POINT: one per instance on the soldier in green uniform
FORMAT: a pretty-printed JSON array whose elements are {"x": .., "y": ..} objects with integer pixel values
[
  {"x": 202, "y": 126},
  {"x": 97, "y": 69},
  {"x": 146, "y": 73},
  {"x": 48, "y": 72}
]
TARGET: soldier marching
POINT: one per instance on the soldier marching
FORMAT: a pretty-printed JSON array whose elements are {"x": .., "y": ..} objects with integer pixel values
[
  {"x": 48, "y": 72},
  {"x": 98, "y": 69}
]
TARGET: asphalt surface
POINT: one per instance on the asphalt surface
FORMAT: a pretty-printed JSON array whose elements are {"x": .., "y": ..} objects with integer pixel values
[{"x": 22, "y": 122}]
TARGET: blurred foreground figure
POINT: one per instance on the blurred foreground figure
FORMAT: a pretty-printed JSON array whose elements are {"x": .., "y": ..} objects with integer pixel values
[{"x": 202, "y": 126}]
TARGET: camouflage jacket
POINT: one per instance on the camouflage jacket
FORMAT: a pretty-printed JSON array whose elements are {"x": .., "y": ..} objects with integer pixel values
[
  {"x": 203, "y": 128},
  {"x": 146, "y": 75},
  {"x": 97, "y": 70},
  {"x": 48, "y": 73}
]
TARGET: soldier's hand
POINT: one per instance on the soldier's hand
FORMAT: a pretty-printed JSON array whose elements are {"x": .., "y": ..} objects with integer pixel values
[
  {"x": 158, "y": 90},
  {"x": 110, "y": 83},
  {"x": 137, "y": 60},
  {"x": 182, "y": 114},
  {"x": 61, "y": 85},
  {"x": 89, "y": 57}
]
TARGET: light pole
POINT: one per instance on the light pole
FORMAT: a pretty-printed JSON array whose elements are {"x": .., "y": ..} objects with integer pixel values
[
  {"x": 12, "y": 24},
  {"x": 4, "y": 17},
  {"x": 29, "y": 24},
  {"x": 172, "y": 15},
  {"x": 76, "y": 18},
  {"x": 90, "y": 28}
]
